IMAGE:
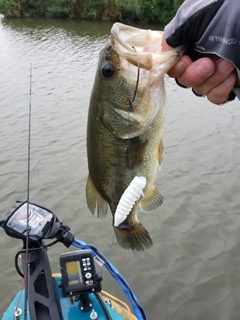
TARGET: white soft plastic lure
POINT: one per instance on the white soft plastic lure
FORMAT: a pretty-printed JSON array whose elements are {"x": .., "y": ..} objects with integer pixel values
[{"x": 133, "y": 192}]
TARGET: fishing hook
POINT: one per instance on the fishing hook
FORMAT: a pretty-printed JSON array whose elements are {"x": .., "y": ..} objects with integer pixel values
[{"x": 136, "y": 88}]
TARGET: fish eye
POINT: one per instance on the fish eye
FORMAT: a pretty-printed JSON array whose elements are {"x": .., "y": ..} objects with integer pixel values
[{"x": 108, "y": 70}]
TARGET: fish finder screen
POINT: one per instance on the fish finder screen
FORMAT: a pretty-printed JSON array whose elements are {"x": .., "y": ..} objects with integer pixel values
[{"x": 74, "y": 273}]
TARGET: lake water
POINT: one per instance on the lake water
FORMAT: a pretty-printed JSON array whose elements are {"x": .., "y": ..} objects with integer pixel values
[{"x": 192, "y": 272}]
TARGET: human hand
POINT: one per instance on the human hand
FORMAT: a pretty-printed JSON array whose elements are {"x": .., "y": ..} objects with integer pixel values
[{"x": 209, "y": 76}]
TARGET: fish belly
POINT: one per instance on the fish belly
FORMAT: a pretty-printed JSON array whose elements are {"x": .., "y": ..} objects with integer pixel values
[{"x": 113, "y": 163}]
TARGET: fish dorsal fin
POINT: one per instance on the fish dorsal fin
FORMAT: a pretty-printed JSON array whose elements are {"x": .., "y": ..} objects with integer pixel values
[
  {"x": 95, "y": 201},
  {"x": 152, "y": 200}
]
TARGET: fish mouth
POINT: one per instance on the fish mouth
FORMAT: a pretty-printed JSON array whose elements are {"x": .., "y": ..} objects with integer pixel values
[
  {"x": 141, "y": 47},
  {"x": 141, "y": 65}
]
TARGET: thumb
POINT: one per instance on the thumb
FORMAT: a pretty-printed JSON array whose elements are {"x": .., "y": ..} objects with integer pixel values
[
  {"x": 165, "y": 46},
  {"x": 179, "y": 68}
]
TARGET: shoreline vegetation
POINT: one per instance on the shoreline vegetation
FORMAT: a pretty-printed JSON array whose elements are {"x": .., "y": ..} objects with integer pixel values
[{"x": 146, "y": 11}]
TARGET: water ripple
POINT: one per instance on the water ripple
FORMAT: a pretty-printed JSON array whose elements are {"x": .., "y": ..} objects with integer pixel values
[{"x": 192, "y": 270}]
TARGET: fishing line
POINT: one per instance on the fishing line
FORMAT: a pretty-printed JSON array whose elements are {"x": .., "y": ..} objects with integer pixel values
[
  {"x": 129, "y": 147},
  {"x": 138, "y": 73},
  {"x": 112, "y": 244},
  {"x": 129, "y": 110}
]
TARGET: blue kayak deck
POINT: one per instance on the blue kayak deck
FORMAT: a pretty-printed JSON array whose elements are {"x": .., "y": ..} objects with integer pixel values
[{"x": 69, "y": 311}]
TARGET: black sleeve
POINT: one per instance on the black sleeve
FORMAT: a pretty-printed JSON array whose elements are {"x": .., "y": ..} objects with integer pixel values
[{"x": 193, "y": 28}]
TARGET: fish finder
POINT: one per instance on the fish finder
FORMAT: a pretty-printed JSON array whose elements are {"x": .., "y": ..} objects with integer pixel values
[
  {"x": 15, "y": 222},
  {"x": 79, "y": 276},
  {"x": 29, "y": 219}
]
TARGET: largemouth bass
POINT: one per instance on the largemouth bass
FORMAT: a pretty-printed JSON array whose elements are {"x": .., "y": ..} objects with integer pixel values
[{"x": 125, "y": 126}]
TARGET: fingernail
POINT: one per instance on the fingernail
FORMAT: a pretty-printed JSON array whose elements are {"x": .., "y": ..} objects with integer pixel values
[
  {"x": 231, "y": 78},
  {"x": 204, "y": 69},
  {"x": 224, "y": 66}
]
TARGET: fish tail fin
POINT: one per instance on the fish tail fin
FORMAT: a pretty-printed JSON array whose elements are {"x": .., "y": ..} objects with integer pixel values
[{"x": 135, "y": 237}]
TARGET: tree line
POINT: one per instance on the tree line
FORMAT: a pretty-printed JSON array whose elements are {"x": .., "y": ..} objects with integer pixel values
[{"x": 154, "y": 11}]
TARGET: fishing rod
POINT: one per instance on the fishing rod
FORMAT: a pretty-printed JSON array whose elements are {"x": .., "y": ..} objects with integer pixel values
[{"x": 28, "y": 196}]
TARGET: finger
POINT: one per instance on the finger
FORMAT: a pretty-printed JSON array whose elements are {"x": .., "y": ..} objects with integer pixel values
[
  {"x": 224, "y": 69},
  {"x": 197, "y": 72},
  {"x": 220, "y": 93},
  {"x": 165, "y": 46},
  {"x": 180, "y": 67}
]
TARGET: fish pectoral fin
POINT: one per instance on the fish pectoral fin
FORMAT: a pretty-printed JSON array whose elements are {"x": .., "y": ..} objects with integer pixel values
[
  {"x": 134, "y": 237},
  {"x": 160, "y": 154},
  {"x": 95, "y": 201},
  {"x": 152, "y": 201}
]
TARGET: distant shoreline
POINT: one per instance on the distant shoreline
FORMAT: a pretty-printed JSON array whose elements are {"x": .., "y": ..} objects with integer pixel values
[{"x": 158, "y": 11}]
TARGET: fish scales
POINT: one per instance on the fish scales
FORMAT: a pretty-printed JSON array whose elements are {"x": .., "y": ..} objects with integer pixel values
[{"x": 124, "y": 139}]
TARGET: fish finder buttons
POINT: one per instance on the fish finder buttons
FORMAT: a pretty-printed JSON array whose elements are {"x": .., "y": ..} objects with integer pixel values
[{"x": 78, "y": 273}]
